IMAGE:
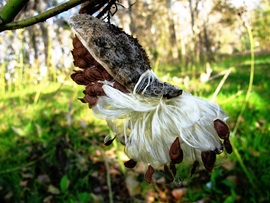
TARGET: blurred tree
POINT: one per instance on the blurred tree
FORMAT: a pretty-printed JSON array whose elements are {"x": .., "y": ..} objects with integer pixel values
[{"x": 260, "y": 29}]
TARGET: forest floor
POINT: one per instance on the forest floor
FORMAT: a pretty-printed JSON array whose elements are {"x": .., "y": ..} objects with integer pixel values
[{"x": 51, "y": 146}]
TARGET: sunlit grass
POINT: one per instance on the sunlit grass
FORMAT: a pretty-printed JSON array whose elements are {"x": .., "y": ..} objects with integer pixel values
[{"x": 47, "y": 133}]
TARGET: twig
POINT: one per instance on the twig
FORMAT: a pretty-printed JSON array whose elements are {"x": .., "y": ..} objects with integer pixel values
[
  {"x": 221, "y": 84},
  {"x": 108, "y": 177},
  {"x": 252, "y": 70},
  {"x": 41, "y": 17},
  {"x": 10, "y": 10},
  {"x": 232, "y": 97}
]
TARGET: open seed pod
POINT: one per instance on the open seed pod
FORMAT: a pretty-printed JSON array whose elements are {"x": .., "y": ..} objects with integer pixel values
[{"x": 158, "y": 123}]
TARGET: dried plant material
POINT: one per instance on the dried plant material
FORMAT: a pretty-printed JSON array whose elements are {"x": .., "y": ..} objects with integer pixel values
[
  {"x": 149, "y": 173},
  {"x": 222, "y": 129},
  {"x": 176, "y": 153},
  {"x": 120, "y": 54},
  {"x": 157, "y": 122},
  {"x": 130, "y": 163}
]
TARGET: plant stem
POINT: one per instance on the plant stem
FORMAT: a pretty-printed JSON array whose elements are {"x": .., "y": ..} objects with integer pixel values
[
  {"x": 252, "y": 70},
  {"x": 10, "y": 10},
  {"x": 41, "y": 17},
  {"x": 227, "y": 73},
  {"x": 251, "y": 77},
  {"x": 108, "y": 177}
]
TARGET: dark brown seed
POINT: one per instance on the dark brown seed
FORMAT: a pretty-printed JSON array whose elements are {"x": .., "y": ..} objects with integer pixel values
[
  {"x": 120, "y": 87},
  {"x": 80, "y": 52},
  {"x": 168, "y": 173},
  {"x": 91, "y": 100},
  {"x": 79, "y": 78},
  {"x": 176, "y": 153},
  {"x": 108, "y": 142},
  {"x": 193, "y": 169},
  {"x": 228, "y": 146},
  {"x": 92, "y": 74},
  {"x": 209, "y": 159},
  {"x": 130, "y": 163},
  {"x": 173, "y": 168},
  {"x": 222, "y": 129},
  {"x": 149, "y": 173},
  {"x": 80, "y": 63},
  {"x": 76, "y": 42}
]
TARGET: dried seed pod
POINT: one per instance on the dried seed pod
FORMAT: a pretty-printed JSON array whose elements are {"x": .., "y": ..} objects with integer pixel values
[
  {"x": 176, "y": 153},
  {"x": 228, "y": 146},
  {"x": 149, "y": 173},
  {"x": 120, "y": 54},
  {"x": 193, "y": 169},
  {"x": 209, "y": 159},
  {"x": 130, "y": 163},
  {"x": 222, "y": 129}
]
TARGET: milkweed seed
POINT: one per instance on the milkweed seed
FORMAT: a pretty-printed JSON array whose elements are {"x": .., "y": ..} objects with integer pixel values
[{"x": 176, "y": 153}]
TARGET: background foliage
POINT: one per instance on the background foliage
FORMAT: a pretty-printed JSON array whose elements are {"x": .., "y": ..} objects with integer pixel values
[{"x": 51, "y": 146}]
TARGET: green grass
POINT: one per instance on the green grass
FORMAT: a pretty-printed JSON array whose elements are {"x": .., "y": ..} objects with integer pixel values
[{"x": 51, "y": 146}]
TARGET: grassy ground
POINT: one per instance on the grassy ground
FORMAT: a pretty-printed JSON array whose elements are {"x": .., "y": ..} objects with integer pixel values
[{"x": 51, "y": 147}]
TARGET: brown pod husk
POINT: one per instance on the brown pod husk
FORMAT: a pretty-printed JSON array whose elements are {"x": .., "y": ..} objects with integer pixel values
[{"x": 176, "y": 153}]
